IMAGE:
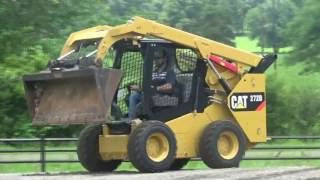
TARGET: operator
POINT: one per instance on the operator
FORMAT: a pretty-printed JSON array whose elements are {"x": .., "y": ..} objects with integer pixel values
[{"x": 163, "y": 81}]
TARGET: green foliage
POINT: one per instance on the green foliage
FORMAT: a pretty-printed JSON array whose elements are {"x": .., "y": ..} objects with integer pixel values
[
  {"x": 123, "y": 10},
  {"x": 31, "y": 33},
  {"x": 211, "y": 19},
  {"x": 293, "y": 101},
  {"x": 303, "y": 33},
  {"x": 245, "y": 43},
  {"x": 267, "y": 21},
  {"x": 13, "y": 114},
  {"x": 298, "y": 100},
  {"x": 292, "y": 96},
  {"x": 239, "y": 10}
]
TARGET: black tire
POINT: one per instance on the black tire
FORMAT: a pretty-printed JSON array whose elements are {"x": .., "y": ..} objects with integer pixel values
[
  {"x": 137, "y": 147},
  {"x": 209, "y": 152},
  {"x": 88, "y": 151},
  {"x": 179, "y": 164}
]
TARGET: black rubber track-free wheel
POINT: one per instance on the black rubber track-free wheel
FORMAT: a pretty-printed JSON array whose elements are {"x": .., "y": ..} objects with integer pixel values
[
  {"x": 222, "y": 145},
  {"x": 88, "y": 151},
  {"x": 179, "y": 164},
  {"x": 152, "y": 147}
]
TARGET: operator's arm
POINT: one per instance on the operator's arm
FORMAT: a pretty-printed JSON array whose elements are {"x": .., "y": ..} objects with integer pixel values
[{"x": 168, "y": 87}]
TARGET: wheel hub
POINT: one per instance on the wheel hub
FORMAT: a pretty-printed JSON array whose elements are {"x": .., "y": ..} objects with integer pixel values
[
  {"x": 157, "y": 147},
  {"x": 228, "y": 145}
]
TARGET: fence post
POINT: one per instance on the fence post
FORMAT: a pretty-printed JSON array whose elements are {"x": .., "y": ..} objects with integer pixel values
[{"x": 43, "y": 153}]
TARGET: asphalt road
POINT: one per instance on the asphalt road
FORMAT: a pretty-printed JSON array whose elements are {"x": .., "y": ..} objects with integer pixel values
[{"x": 285, "y": 173}]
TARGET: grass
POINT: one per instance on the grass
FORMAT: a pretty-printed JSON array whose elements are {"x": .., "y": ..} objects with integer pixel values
[{"x": 245, "y": 43}]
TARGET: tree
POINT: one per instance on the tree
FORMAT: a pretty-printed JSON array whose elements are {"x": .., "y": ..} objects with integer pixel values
[
  {"x": 303, "y": 34},
  {"x": 123, "y": 10},
  {"x": 31, "y": 33},
  {"x": 211, "y": 19},
  {"x": 267, "y": 21},
  {"x": 46, "y": 23},
  {"x": 293, "y": 103},
  {"x": 239, "y": 10}
]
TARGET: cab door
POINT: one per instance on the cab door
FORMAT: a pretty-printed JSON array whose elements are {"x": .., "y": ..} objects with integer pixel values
[{"x": 189, "y": 72}]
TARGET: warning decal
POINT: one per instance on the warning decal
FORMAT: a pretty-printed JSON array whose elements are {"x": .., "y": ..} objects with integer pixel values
[{"x": 247, "y": 101}]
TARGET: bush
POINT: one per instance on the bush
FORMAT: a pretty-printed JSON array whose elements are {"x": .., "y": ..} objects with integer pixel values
[{"x": 293, "y": 101}]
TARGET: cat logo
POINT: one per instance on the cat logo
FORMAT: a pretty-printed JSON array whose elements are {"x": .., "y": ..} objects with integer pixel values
[
  {"x": 254, "y": 101},
  {"x": 239, "y": 102}
]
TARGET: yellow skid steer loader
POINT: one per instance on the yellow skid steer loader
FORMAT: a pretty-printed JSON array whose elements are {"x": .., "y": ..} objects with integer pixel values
[{"x": 208, "y": 101}]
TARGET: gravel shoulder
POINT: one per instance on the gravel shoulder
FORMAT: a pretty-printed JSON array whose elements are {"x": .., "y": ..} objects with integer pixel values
[{"x": 232, "y": 173}]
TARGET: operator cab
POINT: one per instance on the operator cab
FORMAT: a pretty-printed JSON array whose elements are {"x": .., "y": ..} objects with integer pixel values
[{"x": 136, "y": 60}]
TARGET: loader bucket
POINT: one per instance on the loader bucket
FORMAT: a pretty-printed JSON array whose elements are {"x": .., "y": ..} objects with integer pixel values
[{"x": 71, "y": 97}]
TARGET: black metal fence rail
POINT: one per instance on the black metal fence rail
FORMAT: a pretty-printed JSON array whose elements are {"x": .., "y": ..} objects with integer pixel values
[{"x": 42, "y": 142}]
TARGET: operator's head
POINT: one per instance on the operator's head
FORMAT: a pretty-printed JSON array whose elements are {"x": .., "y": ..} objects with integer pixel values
[{"x": 160, "y": 58}]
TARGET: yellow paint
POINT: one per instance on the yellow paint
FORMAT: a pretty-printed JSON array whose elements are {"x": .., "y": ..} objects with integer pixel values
[
  {"x": 139, "y": 27},
  {"x": 143, "y": 27},
  {"x": 212, "y": 80},
  {"x": 253, "y": 123},
  {"x": 157, "y": 147},
  {"x": 107, "y": 42},
  {"x": 228, "y": 145},
  {"x": 97, "y": 32},
  {"x": 105, "y": 129},
  {"x": 188, "y": 128},
  {"x": 113, "y": 146}
]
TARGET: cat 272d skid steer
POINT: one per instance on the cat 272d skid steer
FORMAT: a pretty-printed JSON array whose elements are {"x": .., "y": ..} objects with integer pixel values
[{"x": 217, "y": 110}]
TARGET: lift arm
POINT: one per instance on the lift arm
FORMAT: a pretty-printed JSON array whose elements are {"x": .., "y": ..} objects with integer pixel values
[
  {"x": 97, "y": 32},
  {"x": 142, "y": 27}
]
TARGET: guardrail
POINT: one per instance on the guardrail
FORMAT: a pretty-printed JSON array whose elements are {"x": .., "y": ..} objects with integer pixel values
[{"x": 42, "y": 142}]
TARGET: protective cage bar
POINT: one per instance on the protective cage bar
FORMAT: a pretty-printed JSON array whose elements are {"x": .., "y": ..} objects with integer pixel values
[{"x": 132, "y": 68}]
